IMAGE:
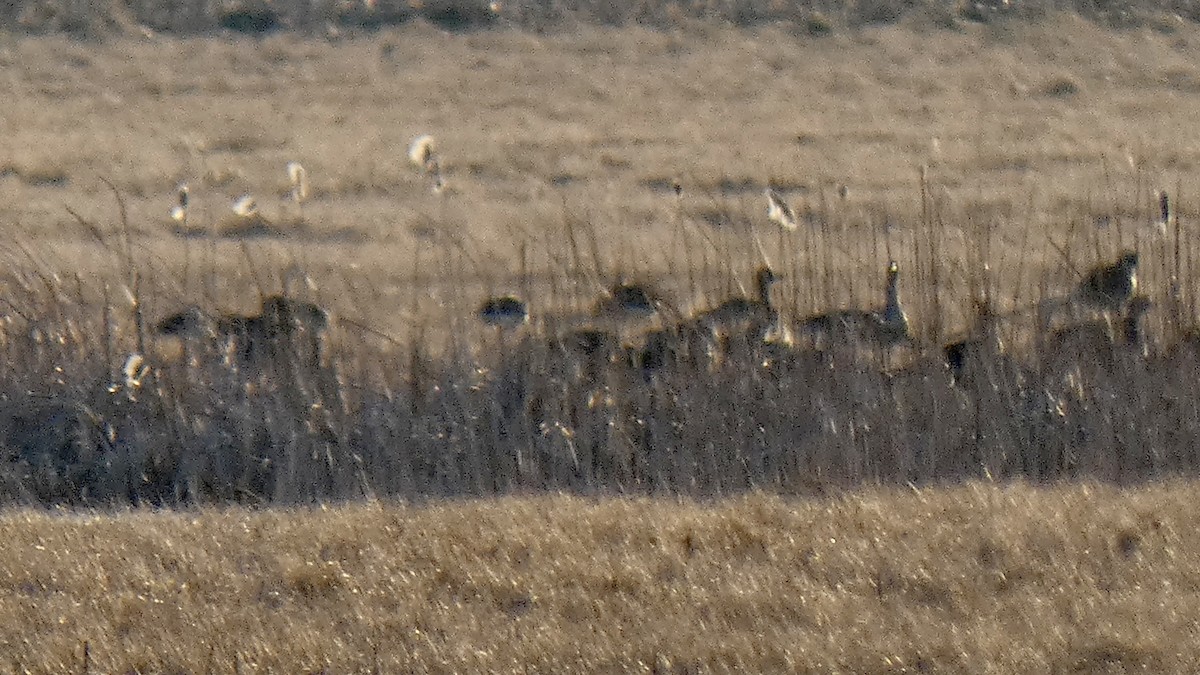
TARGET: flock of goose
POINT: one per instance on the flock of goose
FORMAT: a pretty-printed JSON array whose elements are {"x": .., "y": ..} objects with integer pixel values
[
  {"x": 290, "y": 329},
  {"x": 752, "y": 326},
  {"x": 285, "y": 331}
]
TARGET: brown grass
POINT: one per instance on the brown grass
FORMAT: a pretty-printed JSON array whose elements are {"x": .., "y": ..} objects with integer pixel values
[{"x": 981, "y": 579}]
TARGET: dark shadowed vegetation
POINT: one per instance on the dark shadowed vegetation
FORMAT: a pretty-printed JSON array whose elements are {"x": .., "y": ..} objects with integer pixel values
[{"x": 812, "y": 17}]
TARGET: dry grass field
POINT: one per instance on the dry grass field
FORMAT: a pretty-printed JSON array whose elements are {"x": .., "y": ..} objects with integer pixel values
[
  {"x": 980, "y": 579},
  {"x": 675, "y": 501},
  {"x": 1026, "y": 130}
]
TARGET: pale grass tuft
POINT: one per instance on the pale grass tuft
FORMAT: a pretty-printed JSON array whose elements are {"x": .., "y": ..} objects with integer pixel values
[
  {"x": 245, "y": 206},
  {"x": 135, "y": 370},
  {"x": 179, "y": 212},
  {"x": 1164, "y": 210},
  {"x": 298, "y": 177},
  {"x": 421, "y": 151}
]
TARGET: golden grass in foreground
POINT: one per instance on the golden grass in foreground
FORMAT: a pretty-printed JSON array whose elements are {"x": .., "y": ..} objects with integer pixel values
[{"x": 972, "y": 579}]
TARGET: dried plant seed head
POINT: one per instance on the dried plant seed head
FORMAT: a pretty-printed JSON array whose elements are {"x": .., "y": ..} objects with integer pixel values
[
  {"x": 245, "y": 206},
  {"x": 130, "y": 296},
  {"x": 135, "y": 370},
  {"x": 421, "y": 152},
  {"x": 298, "y": 177},
  {"x": 779, "y": 212},
  {"x": 179, "y": 211}
]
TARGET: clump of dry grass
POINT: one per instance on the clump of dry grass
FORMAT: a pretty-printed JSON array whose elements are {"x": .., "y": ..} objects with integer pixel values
[{"x": 979, "y": 578}]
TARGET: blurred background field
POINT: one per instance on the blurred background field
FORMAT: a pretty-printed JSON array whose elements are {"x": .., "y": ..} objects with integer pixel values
[{"x": 1027, "y": 130}]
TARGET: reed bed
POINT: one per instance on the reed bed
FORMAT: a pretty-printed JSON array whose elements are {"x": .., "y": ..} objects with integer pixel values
[
  {"x": 100, "y": 410},
  {"x": 414, "y": 397}
]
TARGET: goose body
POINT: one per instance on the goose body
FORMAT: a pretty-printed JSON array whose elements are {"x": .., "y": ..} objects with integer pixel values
[
  {"x": 885, "y": 327},
  {"x": 504, "y": 312},
  {"x": 1110, "y": 287}
]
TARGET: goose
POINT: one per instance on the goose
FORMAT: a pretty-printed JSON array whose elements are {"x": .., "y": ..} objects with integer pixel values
[
  {"x": 504, "y": 312},
  {"x": 981, "y": 353},
  {"x": 885, "y": 327},
  {"x": 1099, "y": 342},
  {"x": 627, "y": 301},
  {"x": 1109, "y": 287},
  {"x": 754, "y": 314}
]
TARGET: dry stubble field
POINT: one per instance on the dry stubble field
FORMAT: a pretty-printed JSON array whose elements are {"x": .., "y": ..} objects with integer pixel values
[
  {"x": 1028, "y": 132},
  {"x": 979, "y": 579}
]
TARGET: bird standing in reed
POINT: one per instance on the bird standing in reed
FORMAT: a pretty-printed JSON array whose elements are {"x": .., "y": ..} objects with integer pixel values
[
  {"x": 627, "y": 301},
  {"x": 885, "y": 327},
  {"x": 505, "y": 312},
  {"x": 286, "y": 330},
  {"x": 749, "y": 316},
  {"x": 1098, "y": 343},
  {"x": 1109, "y": 287}
]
